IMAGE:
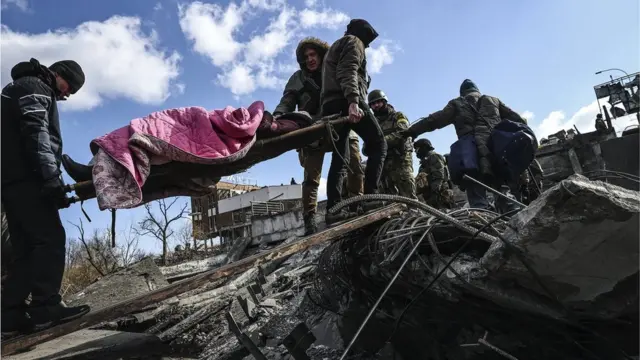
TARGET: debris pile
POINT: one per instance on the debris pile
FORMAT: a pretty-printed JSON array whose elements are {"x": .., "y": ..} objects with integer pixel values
[{"x": 558, "y": 280}]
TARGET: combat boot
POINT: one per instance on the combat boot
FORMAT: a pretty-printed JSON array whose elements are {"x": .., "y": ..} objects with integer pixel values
[
  {"x": 310, "y": 225},
  {"x": 45, "y": 316},
  {"x": 339, "y": 216}
]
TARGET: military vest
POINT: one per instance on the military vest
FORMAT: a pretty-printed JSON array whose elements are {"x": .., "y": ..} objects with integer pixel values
[{"x": 388, "y": 124}]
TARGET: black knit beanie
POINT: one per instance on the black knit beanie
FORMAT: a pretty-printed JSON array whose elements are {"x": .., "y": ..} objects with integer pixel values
[{"x": 71, "y": 72}]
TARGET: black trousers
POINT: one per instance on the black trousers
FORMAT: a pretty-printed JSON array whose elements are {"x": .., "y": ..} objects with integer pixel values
[
  {"x": 38, "y": 247},
  {"x": 371, "y": 133}
]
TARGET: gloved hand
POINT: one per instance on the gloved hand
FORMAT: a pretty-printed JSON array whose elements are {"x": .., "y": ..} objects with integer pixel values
[
  {"x": 53, "y": 189},
  {"x": 355, "y": 113},
  {"x": 407, "y": 133}
]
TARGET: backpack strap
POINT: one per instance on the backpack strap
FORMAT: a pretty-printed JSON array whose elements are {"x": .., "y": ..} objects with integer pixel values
[{"x": 478, "y": 114}]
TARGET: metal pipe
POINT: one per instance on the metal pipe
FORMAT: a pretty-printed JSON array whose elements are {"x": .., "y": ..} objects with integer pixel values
[{"x": 496, "y": 192}]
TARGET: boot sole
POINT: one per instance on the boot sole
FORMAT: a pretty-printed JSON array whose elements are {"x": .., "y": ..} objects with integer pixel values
[{"x": 49, "y": 324}]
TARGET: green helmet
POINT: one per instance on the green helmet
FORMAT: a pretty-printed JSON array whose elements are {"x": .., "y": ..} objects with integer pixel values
[
  {"x": 423, "y": 143},
  {"x": 376, "y": 95}
]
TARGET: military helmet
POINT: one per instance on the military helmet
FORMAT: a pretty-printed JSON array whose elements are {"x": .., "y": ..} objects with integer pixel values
[
  {"x": 376, "y": 95},
  {"x": 423, "y": 143}
]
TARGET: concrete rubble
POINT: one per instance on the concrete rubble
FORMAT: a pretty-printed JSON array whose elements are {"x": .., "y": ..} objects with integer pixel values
[{"x": 579, "y": 238}]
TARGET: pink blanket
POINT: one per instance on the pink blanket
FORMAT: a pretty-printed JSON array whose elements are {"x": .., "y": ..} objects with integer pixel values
[{"x": 123, "y": 158}]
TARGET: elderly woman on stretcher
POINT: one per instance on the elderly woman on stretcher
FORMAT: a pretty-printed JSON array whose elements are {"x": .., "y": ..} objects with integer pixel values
[{"x": 122, "y": 159}]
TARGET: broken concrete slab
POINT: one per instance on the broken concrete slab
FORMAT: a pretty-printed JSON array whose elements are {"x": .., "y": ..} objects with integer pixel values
[
  {"x": 96, "y": 344},
  {"x": 580, "y": 236},
  {"x": 141, "y": 277},
  {"x": 190, "y": 268}
]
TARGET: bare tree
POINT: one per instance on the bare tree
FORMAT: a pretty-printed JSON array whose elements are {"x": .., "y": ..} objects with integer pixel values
[
  {"x": 159, "y": 225},
  {"x": 185, "y": 235},
  {"x": 128, "y": 250}
]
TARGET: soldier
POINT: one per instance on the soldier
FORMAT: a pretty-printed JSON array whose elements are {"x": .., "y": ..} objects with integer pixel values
[
  {"x": 303, "y": 91},
  {"x": 397, "y": 175},
  {"x": 601, "y": 126},
  {"x": 462, "y": 113},
  {"x": 344, "y": 88},
  {"x": 433, "y": 181}
]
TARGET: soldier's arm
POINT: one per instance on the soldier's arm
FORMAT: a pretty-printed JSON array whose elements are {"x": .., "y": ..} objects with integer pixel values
[
  {"x": 437, "y": 120},
  {"x": 507, "y": 113},
  {"x": 436, "y": 172},
  {"x": 289, "y": 99},
  {"x": 396, "y": 138},
  {"x": 351, "y": 57}
]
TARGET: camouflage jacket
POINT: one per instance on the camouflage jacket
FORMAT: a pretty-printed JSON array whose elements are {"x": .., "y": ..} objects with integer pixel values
[
  {"x": 392, "y": 122},
  {"x": 344, "y": 71},
  {"x": 436, "y": 171},
  {"x": 460, "y": 113}
]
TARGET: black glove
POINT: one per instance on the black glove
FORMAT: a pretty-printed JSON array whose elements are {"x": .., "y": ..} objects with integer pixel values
[{"x": 53, "y": 189}]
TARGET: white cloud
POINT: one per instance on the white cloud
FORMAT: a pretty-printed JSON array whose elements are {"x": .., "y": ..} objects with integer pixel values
[
  {"x": 583, "y": 119},
  {"x": 20, "y": 4},
  {"x": 322, "y": 189},
  {"x": 157, "y": 7},
  {"x": 211, "y": 30},
  {"x": 269, "y": 44},
  {"x": 118, "y": 58},
  {"x": 258, "y": 62},
  {"x": 377, "y": 57},
  {"x": 310, "y": 3},
  {"x": 328, "y": 18},
  {"x": 528, "y": 115}
]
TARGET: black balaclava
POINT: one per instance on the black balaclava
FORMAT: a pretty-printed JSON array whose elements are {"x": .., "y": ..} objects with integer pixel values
[{"x": 362, "y": 30}]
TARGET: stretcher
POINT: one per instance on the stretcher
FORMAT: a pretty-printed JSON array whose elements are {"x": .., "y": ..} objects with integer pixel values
[{"x": 163, "y": 176}]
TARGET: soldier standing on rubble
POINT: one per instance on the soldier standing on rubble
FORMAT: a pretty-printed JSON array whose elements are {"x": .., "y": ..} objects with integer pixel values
[
  {"x": 460, "y": 113},
  {"x": 345, "y": 85},
  {"x": 397, "y": 176},
  {"x": 433, "y": 181},
  {"x": 303, "y": 91},
  {"x": 32, "y": 193}
]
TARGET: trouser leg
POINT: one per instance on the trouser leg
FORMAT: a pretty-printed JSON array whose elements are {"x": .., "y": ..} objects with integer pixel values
[
  {"x": 476, "y": 196},
  {"x": 355, "y": 177},
  {"x": 370, "y": 132},
  {"x": 36, "y": 229},
  {"x": 312, "y": 163}
]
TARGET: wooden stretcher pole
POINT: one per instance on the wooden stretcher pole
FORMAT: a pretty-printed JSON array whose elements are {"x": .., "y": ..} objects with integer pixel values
[
  {"x": 84, "y": 190},
  {"x": 140, "y": 302}
]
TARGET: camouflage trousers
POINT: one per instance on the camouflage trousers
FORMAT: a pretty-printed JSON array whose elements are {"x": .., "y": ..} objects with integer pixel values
[
  {"x": 442, "y": 199},
  {"x": 397, "y": 176},
  {"x": 312, "y": 159}
]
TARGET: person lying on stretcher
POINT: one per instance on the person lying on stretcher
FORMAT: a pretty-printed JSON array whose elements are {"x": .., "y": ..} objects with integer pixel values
[{"x": 269, "y": 127}]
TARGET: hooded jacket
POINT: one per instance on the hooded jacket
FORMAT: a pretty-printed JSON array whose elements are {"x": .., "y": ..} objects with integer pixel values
[
  {"x": 460, "y": 113},
  {"x": 301, "y": 89},
  {"x": 31, "y": 139},
  {"x": 344, "y": 70}
]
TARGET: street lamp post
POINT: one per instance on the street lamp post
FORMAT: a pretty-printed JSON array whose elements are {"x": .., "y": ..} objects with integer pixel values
[{"x": 612, "y": 69}]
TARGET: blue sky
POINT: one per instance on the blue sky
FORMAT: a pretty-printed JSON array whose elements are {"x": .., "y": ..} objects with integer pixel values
[{"x": 539, "y": 57}]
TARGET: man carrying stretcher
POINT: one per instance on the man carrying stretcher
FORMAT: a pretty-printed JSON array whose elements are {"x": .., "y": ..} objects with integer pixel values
[{"x": 303, "y": 91}]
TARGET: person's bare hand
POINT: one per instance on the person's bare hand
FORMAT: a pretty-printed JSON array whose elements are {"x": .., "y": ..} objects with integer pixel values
[{"x": 355, "y": 113}]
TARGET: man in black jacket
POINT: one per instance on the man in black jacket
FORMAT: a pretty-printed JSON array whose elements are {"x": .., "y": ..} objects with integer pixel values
[
  {"x": 32, "y": 193},
  {"x": 345, "y": 85}
]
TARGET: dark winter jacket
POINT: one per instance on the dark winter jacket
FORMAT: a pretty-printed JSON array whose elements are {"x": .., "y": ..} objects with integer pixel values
[
  {"x": 344, "y": 70},
  {"x": 31, "y": 140},
  {"x": 302, "y": 91},
  {"x": 460, "y": 113}
]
